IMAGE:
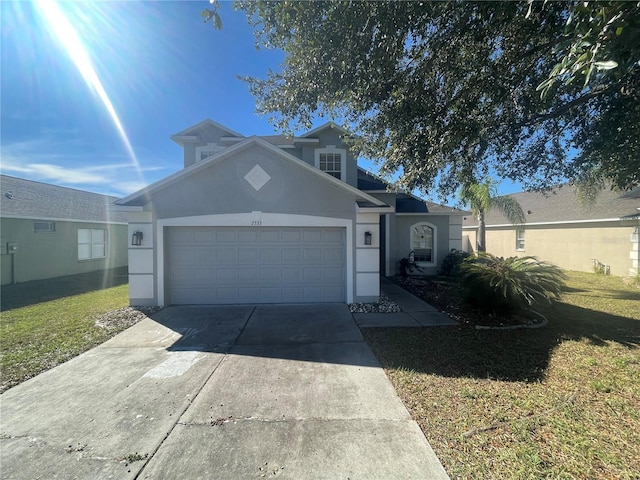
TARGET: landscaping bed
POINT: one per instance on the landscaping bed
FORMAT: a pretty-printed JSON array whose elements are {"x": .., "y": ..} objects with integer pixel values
[{"x": 561, "y": 401}]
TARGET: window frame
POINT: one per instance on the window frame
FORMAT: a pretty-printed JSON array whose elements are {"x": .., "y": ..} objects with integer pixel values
[
  {"x": 51, "y": 225},
  {"x": 332, "y": 150},
  {"x": 209, "y": 148},
  {"x": 434, "y": 236},
  {"x": 93, "y": 243},
  {"x": 520, "y": 240}
]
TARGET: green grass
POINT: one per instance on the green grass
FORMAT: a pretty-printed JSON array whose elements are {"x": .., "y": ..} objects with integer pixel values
[
  {"x": 41, "y": 335},
  {"x": 557, "y": 402}
]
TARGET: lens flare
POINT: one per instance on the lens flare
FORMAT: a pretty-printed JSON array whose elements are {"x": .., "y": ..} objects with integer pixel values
[{"x": 63, "y": 30}]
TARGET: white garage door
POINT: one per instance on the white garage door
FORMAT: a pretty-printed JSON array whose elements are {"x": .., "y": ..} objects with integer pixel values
[{"x": 229, "y": 265}]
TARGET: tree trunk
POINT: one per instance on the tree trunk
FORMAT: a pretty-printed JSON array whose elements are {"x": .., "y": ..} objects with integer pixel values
[{"x": 481, "y": 241}]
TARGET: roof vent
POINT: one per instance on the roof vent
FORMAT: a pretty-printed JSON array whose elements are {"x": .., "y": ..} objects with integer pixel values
[{"x": 9, "y": 195}]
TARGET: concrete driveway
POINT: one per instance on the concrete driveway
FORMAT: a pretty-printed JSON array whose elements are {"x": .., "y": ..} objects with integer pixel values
[{"x": 236, "y": 392}]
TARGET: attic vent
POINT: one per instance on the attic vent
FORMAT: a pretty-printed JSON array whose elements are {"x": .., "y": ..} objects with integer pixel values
[{"x": 44, "y": 227}]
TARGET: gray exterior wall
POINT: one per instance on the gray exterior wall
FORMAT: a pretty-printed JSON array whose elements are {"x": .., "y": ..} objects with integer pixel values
[
  {"x": 207, "y": 134},
  {"x": 401, "y": 246},
  {"x": 49, "y": 255},
  {"x": 221, "y": 188}
]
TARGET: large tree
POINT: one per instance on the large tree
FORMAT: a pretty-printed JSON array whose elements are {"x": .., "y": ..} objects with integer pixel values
[{"x": 449, "y": 92}]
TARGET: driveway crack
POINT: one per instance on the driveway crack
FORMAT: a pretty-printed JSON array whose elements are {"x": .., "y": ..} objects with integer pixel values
[{"x": 191, "y": 400}]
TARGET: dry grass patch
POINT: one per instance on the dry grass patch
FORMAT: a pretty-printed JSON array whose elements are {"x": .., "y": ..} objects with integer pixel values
[{"x": 557, "y": 402}]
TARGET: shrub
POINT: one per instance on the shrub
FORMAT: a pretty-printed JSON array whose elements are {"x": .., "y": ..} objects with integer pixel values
[
  {"x": 451, "y": 263},
  {"x": 408, "y": 266},
  {"x": 502, "y": 285}
]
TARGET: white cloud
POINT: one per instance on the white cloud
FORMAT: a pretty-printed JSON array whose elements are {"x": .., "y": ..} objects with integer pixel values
[{"x": 110, "y": 178}]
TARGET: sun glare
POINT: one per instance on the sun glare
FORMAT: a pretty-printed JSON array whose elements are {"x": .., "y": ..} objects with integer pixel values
[{"x": 63, "y": 30}]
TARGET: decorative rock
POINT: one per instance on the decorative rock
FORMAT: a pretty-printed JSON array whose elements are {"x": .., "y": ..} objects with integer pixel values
[{"x": 384, "y": 305}]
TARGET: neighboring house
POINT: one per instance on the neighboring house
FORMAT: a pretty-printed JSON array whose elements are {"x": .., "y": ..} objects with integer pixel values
[
  {"x": 275, "y": 220},
  {"x": 49, "y": 231},
  {"x": 562, "y": 231}
]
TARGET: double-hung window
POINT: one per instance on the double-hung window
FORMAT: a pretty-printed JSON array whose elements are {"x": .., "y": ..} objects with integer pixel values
[
  {"x": 92, "y": 243},
  {"x": 332, "y": 160},
  {"x": 520, "y": 239}
]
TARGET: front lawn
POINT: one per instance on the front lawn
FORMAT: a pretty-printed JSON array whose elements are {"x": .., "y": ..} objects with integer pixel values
[
  {"x": 45, "y": 333},
  {"x": 556, "y": 402}
]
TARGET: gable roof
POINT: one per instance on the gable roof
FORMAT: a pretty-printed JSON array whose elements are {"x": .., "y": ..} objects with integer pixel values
[
  {"x": 405, "y": 202},
  {"x": 561, "y": 205},
  {"x": 35, "y": 200},
  {"x": 141, "y": 197},
  {"x": 184, "y": 135},
  {"x": 325, "y": 126}
]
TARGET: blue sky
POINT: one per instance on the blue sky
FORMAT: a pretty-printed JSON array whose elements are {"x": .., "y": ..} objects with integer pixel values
[{"x": 162, "y": 69}]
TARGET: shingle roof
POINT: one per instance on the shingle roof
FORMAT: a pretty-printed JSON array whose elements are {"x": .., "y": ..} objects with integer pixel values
[
  {"x": 26, "y": 198},
  {"x": 561, "y": 205}
]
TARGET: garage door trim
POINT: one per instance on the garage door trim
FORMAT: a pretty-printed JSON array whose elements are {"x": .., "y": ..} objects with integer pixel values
[{"x": 248, "y": 220}]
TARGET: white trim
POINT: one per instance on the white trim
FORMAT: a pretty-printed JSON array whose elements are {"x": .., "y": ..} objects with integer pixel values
[
  {"x": 332, "y": 150},
  {"x": 376, "y": 209},
  {"x": 124, "y": 208},
  {"x": 531, "y": 224},
  {"x": 209, "y": 147},
  {"x": 227, "y": 152},
  {"x": 324, "y": 127},
  {"x": 434, "y": 243},
  {"x": 185, "y": 138},
  {"x": 54, "y": 219},
  {"x": 207, "y": 121},
  {"x": 244, "y": 220},
  {"x": 409, "y": 214}
]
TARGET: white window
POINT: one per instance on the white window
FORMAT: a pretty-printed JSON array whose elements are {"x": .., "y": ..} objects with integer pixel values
[
  {"x": 520, "y": 239},
  {"x": 333, "y": 161},
  {"x": 44, "y": 227},
  {"x": 92, "y": 243},
  {"x": 207, "y": 150},
  {"x": 423, "y": 243}
]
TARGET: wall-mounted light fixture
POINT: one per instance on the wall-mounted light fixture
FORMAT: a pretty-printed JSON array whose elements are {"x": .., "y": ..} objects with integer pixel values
[
  {"x": 367, "y": 238},
  {"x": 136, "y": 238}
]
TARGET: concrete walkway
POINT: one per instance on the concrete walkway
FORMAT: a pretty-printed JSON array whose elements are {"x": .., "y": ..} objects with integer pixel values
[
  {"x": 415, "y": 312},
  {"x": 236, "y": 392}
]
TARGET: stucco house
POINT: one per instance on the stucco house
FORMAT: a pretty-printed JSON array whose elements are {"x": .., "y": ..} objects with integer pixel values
[
  {"x": 49, "y": 231},
  {"x": 275, "y": 219},
  {"x": 560, "y": 230}
]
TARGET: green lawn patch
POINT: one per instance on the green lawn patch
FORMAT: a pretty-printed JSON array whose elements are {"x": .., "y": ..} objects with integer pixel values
[
  {"x": 43, "y": 334},
  {"x": 556, "y": 402}
]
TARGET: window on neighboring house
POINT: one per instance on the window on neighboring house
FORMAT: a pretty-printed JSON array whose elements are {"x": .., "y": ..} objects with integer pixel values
[
  {"x": 520, "y": 239},
  {"x": 332, "y": 160},
  {"x": 423, "y": 243},
  {"x": 44, "y": 227},
  {"x": 207, "y": 150},
  {"x": 92, "y": 243}
]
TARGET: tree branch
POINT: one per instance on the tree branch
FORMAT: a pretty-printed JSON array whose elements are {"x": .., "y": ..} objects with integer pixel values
[{"x": 566, "y": 107}]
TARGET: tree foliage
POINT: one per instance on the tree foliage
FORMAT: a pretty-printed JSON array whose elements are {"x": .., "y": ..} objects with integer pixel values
[
  {"x": 482, "y": 198},
  {"x": 448, "y": 92}
]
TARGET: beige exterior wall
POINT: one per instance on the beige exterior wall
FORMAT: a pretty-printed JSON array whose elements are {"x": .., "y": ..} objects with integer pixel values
[{"x": 570, "y": 246}]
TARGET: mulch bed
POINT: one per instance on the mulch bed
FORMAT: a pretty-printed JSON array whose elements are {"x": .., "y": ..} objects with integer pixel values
[{"x": 445, "y": 294}]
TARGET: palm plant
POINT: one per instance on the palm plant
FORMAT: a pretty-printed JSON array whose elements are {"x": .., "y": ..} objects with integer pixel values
[
  {"x": 483, "y": 197},
  {"x": 509, "y": 284}
]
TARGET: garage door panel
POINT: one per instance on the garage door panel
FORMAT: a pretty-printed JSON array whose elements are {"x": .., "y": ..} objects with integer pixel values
[
  {"x": 226, "y": 236},
  {"x": 226, "y": 274},
  {"x": 312, "y": 255},
  {"x": 269, "y": 256},
  {"x": 333, "y": 256},
  {"x": 226, "y": 256},
  {"x": 269, "y": 236},
  {"x": 218, "y": 265},
  {"x": 248, "y": 274}
]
